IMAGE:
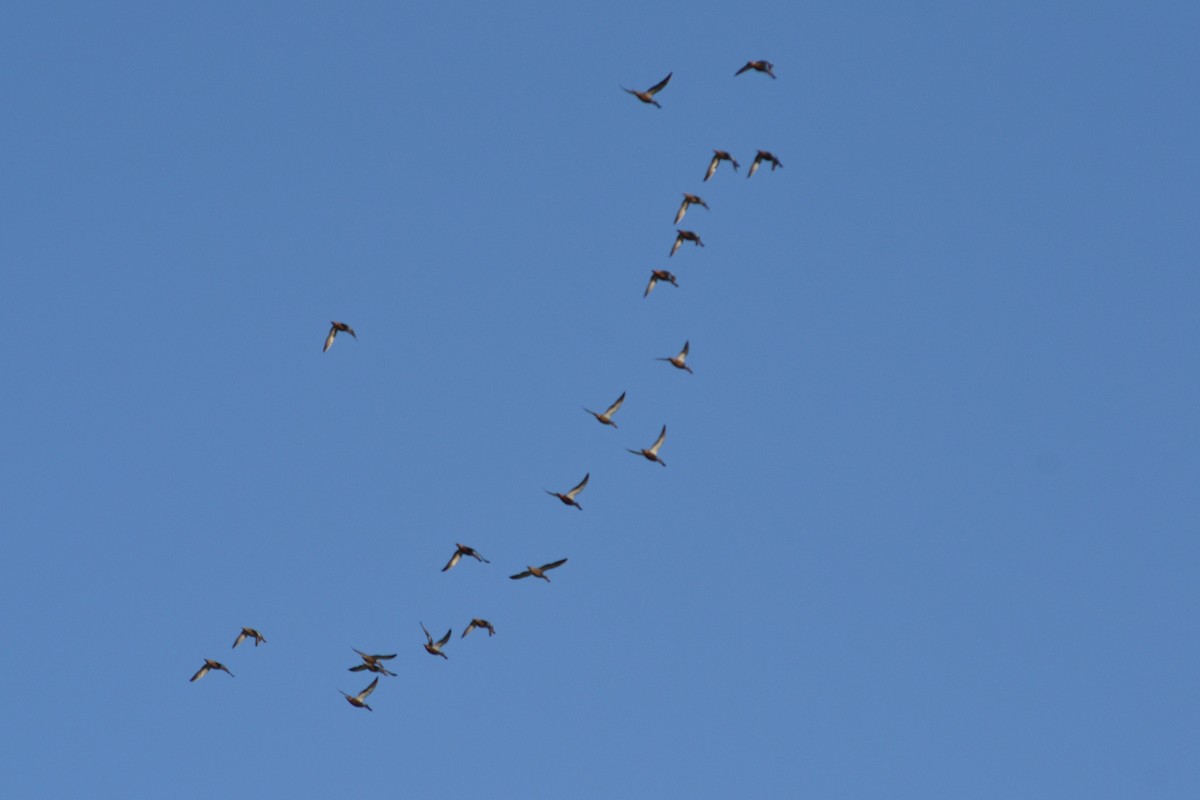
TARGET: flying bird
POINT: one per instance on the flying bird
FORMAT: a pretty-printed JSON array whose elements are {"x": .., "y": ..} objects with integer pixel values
[
  {"x": 688, "y": 200},
  {"x": 436, "y": 649},
  {"x": 569, "y": 497},
  {"x": 684, "y": 236},
  {"x": 677, "y": 361},
  {"x": 762, "y": 156},
  {"x": 648, "y": 95},
  {"x": 479, "y": 623},
  {"x": 463, "y": 550},
  {"x": 761, "y": 66},
  {"x": 718, "y": 157},
  {"x": 371, "y": 663},
  {"x": 360, "y": 700},
  {"x": 652, "y": 453},
  {"x": 333, "y": 332},
  {"x": 209, "y": 664},
  {"x": 657, "y": 275},
  {"x": 539, "y": 572},
  {"x": 606, "y": 417},
  {"x": 250, "y": 632}
]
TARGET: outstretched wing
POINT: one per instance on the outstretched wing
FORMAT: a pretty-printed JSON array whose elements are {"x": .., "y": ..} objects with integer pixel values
[
  {"x": 516, "y": 577},
  {"x": 363, "y": 694},
  {"x": 613, "y": 408},
  {"x": 571, "y": 494},
  {"x": 661, "y": 437},
  {"x": 712, "y": 167},
  {"x": 445, "y": 638},
  {"x": 329, "y": 339},
  {"x": 553, "y": 564},
  {"x": 658, "y": 86},
  {"x": 749, "y": 65},
  {"x": 453, "y": 560}
]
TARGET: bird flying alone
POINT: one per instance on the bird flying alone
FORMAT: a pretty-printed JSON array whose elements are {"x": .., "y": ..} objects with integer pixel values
[
  {"x": 656, "y": 276},
  {"x": 463, "y": 550},
  {"x": 718, "y": 157},
  {"x": 209, "y": 664},
  {"x": 761, "y": 66},
  {"x": 479, "y": 623},
  {"x": 333, "y": 332},
  {"x": 606, "y": 417},
  {"x": 688, "y": 200},
  {"x": 250, "y": 632},
  {"x": 435, "y": 649},
  {"x": 539, "y": 572},
  {"x": 762, "y": 156},
  {"x": 569, "y": 497},
  {"x": 360, "y": 700},
  {"x": 648, "y": 95},
  {"x": 684, "y": 236},
  {"x": 678, "y": 361},
  {"x": 652, "y": 453}
]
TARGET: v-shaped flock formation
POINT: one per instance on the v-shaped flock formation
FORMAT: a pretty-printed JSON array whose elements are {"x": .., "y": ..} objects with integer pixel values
[{"x": 375, "y": 662}]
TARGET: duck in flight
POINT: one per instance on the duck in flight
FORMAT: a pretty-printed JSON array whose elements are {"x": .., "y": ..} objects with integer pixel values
[
  {"x": 569, "y": 497},
  {"x": 762, "y": 156},
  {"x": 371, "y": 663},
  {"x": 463, "y": 550},
  {"x": 209, "y": 664},
  {"x": 761, "y": 66},
  {"x": 482, "y": 624},
  {"x": 684, "y": 236},
  {"x": 333, "y": 332},
  {"x": 539, "y": 572},
  {"x": 688, "y": 200},
  {"x": 656, "y": 276},
  {"x": 435, "y": 649},
  {"x": 606, "y": 417},
  {"x": 250, "y": 632},
  {"x": 678, "y": 361},
  {"x": 718, "y": 157},
  {"x": 648, "y": 95},
  {"x": 360, "y": 700},
  {"x": 651, "y": 454}
]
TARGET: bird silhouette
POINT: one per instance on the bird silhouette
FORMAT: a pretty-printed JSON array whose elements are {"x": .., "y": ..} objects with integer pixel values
[
  {"x": 209, "y": 664},
  {"x": 651, "y": 454},
  {"x": 657, "y": 275},
  {"x": 648, "y": 95},
  {"x": 371, "y": 663},
  {"x": 762, "y": 156},
  {"x": 678, "y": 361},
  {"x": 333, "y": 332},
  {"x": 606, "y": 417},
  {"x": 539, "y": 572},
  {"x": 761, "y": 66},
  {"x": 479, "y": 623},
  {"x": 250, "y": 632},
  {"x": 360, "y": 700},
  {"x": 435, "y": 649},
  {"x": 463, "y": 550},
  {"x": 684, "y": 236},
  {"x": 569, "y": 497},
  {"x": 688, "y": 200},
  {"x": 718, "y": 157}
]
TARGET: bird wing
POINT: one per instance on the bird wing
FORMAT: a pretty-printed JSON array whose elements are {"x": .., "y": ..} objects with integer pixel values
[
  {"x": 553, "y": 564},
  {"x": 658, "y": 86},
  {"x": 329, "y": 339},
  {"x": 516, "y": 577},
  {"x": 445, "y": 638},
  {"x": 712, "y": 167},
  {"x": 427, "y": 636},
  {"x": 571, "y": 494},
  {"x": 683, "y": 353},
  {"x": 241, "y": 638},
  {"x": 363, "y": 694},
  {"x": 678, "y": 242},
  {"x": 661, "y": 437},
  {"x": 470, "y": 627},
  {"x": 453, "y": 560},
  {"x": 754, "y": 166},
  {"x": 683, "y": 207},
  {"x": 650, "y": 285},
  {"x": 613, "y": 408},
  {"x": 200, "y": 673},
  {"x": 743, "y": 69}
]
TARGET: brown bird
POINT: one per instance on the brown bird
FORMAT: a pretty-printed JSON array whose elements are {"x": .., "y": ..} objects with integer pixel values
[
  {"x": 463, "y": 550},
  {"x": 569, "y": 497},
  {"x": 209, "y": 664},
  {"x": 684, "y": 236},
  {"x": 657, "y": 275},
  {"x": 652, "y": 453},
  {"x": 677, "y": 361},
  {"x": 762, "y": 156},
  {"x": 436, "y": 649},
  {"x": 606, "y": 417},
  {"x": 761, "y": 66},
  {"x": 539, "y": 572},
  {"x": 371, "y": 663},
  {"x": 688, "y": 200},
  {"x": 333, "y": 332},
  {"x": 360, "y": 700},
  {"x": 718, "y": 157},
  {"x": 648, "y": 95},
  {"x": 258, "y": 637},
  {"x": 479, "y": 623}
]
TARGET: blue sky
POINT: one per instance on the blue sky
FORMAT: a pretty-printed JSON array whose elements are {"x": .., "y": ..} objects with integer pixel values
[{"x": 929, "y": 527}]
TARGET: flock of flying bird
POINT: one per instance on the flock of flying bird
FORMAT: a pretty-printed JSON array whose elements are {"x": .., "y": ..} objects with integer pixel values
[{"x": 374, "y": 662}]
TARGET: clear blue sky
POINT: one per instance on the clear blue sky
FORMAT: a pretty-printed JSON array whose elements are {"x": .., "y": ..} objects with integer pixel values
[{"x": 929, "y": 525}]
